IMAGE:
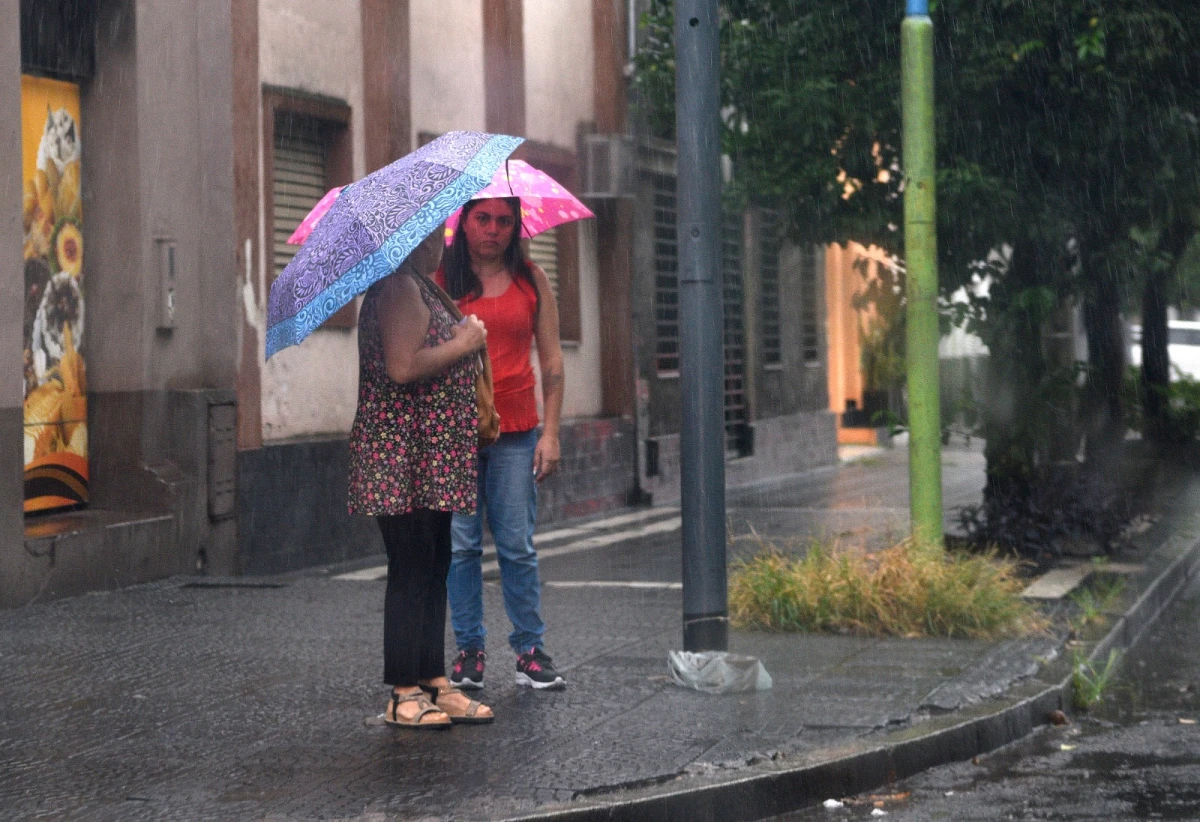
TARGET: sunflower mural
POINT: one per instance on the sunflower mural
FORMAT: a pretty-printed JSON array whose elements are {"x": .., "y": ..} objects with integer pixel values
[{"x": 56, "y": 437}]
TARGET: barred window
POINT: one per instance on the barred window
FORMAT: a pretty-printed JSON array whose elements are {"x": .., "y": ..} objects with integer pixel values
[
  {"x": 770, "y": 342},
  {"x": 810, "y": 293},
  {"x": 666, "y": 275},
  {"x": 735, "y": 339}
]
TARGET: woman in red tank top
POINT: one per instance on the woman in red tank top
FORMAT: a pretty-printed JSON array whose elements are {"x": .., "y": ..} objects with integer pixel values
[{"x": 487, "y": 273}]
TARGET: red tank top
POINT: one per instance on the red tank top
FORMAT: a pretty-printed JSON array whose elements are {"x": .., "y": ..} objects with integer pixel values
[{"x": 509, "y": 320}]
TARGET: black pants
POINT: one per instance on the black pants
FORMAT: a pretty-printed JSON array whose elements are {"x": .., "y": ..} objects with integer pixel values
[{"x": 414, "y": 607}]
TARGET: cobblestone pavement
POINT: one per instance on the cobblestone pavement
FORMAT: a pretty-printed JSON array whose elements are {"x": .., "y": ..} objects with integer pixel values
[{"x": 258, "y": 698}]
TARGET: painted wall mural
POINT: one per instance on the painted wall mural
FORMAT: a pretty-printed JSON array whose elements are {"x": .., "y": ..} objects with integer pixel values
[{"x": 56, "y": 436}]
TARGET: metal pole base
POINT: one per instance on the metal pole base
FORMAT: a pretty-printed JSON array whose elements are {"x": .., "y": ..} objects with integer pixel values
[{"x": 706, "y": 633}]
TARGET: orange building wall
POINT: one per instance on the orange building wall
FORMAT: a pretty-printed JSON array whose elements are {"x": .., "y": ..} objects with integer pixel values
[{"x": 842, "y": 282}]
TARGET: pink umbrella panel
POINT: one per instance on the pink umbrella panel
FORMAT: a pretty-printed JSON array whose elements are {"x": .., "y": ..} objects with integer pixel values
[
  {"x": 313, "y": 217},
  {"x": 545, "y": 203}
]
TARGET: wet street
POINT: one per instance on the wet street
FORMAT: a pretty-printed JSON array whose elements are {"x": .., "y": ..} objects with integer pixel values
[
  {"x": 201, "y": 698},
  {"x": 205, "y": 698},
  {"x": 1136, "y": 756}
]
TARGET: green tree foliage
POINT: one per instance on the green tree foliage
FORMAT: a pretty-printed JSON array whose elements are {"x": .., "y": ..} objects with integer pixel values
[{"x": 1066, "y": 134}]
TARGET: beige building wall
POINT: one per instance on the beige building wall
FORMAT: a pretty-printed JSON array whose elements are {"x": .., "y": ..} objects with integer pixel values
[
  {"x": 559, "y": 98},
  {"x": 313, "y": 46},
  {"x": 446, "y": 39},
  {"x": 558, "y": 69},
  {"x": 581, "y": 361}
]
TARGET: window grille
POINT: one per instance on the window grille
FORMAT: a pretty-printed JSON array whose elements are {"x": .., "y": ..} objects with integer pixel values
[
  {"x": 735, "y": 338},
  {"x": 810, "y": 293},
  {"x": 666, "y": 275},
  {"x": 770, "y": 341},
  {"x": 298, "y": 179}
]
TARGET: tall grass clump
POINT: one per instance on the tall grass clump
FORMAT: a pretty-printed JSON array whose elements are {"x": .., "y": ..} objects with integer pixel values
[{"x": 899, "y": 591}]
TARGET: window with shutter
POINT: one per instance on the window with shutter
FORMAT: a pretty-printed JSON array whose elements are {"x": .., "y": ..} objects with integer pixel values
[
  {"x": 297, "y": 182},
  {"x": 306, "y": 152},
  {"x": 543, "y": 251}
]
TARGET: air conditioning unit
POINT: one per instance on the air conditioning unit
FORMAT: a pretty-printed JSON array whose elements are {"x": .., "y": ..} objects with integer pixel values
[{"x": 608, "y": 166}]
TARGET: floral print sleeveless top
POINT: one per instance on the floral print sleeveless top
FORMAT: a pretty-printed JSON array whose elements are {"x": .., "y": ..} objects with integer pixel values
[{"x": 413, "y": 445}]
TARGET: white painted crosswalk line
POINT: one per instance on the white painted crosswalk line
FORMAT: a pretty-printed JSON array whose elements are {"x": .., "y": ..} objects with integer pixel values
[
  {"x": 663, "y": 526},
  {"x": 600, "y": 583},
  {"x": 601, "y": 540}
]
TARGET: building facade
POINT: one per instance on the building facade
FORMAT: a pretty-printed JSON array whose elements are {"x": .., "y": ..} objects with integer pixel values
[{"x": 203, "y": 132}]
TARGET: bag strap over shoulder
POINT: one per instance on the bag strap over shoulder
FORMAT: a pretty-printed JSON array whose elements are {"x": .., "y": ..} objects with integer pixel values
[
  {"x": 485, "y": 362},
  {"x": 441, "y": 294}
]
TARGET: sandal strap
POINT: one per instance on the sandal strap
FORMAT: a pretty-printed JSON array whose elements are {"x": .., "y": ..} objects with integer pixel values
[
  {"x": 415, "y": 696},
  {"x": 419, "y": 697},
  {"x": 473, "y": 705},
  {"x": 416, "y": 720}
]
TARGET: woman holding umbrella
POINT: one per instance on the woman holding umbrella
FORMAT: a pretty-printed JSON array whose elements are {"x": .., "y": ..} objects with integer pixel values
[
  {"x": 415, "y": 435},
  {"x": 486, "y": 271},
  {"x": 412, "y": 465}
]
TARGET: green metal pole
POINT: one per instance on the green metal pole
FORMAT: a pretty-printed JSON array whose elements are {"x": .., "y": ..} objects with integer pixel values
[{"x": 920, "y": 252}]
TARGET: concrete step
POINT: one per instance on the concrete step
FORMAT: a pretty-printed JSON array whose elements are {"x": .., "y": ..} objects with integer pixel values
[{"x": 99, "y": 549}]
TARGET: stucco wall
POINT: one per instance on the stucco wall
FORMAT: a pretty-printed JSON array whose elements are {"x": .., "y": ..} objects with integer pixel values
[
  {"x": 169, "y": 188},
  {"x": 113, "y": 266},
  {"x": 558, "y": 97},
  {"x": 447, "y": 66},
  {"x": 313, "y": 46},
  {"x": 156, "y": 133},
  {"x": 12, "y": 298},
  {"x": 18, "y": 577},
  {"x": 558, "y": 69},
  {"x": 582, "y": 361}
]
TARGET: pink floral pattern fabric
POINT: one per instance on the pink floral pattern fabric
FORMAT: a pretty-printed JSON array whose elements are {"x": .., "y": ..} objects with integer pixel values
[{"x": 413, "y": 445}]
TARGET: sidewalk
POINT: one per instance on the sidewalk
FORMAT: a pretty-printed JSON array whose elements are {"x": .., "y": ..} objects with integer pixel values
[{"x": 258, "y": 698}]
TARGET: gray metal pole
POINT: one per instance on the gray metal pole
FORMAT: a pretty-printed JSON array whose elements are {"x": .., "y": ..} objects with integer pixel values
[{"x": 701, "y": 326}]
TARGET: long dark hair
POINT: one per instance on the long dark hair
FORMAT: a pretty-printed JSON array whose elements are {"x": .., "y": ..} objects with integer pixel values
[{"x": 461, "y": 280}]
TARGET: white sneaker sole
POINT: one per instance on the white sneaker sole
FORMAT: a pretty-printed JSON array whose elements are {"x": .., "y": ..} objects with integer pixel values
[
  {"x": 467, "y": 685},
  {"x": 525, "y": 680}
]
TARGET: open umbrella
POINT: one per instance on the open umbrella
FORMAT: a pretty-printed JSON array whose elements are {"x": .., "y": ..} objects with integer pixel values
[
  {"x": 374, "y": 224},
  {"x": 313, "y": 217},
  {"x": 545, "y": 204}
]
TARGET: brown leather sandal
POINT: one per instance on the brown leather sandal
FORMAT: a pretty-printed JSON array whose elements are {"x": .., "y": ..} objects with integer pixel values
[
  {"x": 392, "y": 715},
  {"x": 469, "y": 715}
]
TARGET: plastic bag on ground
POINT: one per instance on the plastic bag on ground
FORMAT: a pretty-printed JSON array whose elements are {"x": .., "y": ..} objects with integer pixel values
[{"x": 718, "y": 672}]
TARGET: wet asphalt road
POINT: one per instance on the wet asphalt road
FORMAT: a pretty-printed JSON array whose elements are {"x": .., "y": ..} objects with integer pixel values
[{"x": 1136, "y": 756}]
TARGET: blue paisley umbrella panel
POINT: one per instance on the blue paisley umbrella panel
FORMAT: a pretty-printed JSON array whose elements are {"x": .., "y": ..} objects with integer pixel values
[{"x": 374, "y": 225}]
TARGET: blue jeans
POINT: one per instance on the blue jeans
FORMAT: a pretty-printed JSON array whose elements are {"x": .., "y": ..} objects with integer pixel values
[{"x": 508, "y": 497}]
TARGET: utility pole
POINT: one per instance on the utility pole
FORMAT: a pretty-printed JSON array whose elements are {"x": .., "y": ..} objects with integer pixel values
[
  {"x": 920, "y": 253},
  {"x": 701, "y": 326}
]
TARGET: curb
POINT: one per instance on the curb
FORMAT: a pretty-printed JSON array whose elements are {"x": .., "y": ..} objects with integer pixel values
[{"x": 903, "y": 753}]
